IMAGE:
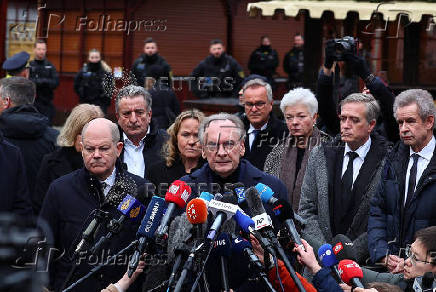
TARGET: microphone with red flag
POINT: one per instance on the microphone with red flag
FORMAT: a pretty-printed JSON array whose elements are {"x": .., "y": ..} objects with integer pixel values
[
  {"x": 177, "y": 195},
  {"x": 351, "y": 273},
  {"x": 343, "y": 248}
]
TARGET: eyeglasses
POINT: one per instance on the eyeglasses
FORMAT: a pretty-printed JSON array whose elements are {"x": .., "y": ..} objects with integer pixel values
[
  {"x": 227, "y": 146},
  {"x": 258, "y": 105},
  {"x": 412, "y": 256}
]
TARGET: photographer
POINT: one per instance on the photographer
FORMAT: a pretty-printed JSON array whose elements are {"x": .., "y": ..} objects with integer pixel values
[{"x": 344, "y": 50}]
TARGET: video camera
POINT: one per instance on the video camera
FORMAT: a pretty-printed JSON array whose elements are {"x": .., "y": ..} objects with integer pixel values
[{"x": 344, "y": 45}]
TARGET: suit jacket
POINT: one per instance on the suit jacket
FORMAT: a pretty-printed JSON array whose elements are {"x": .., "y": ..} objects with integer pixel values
[
  {"x": 318, "y": 187},
  {"x": 265, "y": 141},
  {"x": 68, "y": 209},
  {"x": 153, "y": 143}
]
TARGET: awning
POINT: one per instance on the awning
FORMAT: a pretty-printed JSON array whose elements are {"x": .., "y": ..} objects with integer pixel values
[{"x": 414, "y": 10}]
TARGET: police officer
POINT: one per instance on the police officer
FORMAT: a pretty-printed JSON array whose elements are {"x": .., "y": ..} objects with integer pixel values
[
  {"x": 293, "y": 63},
  {"x": 264, "y": 60},
  {"x": 94, "y": 83},
  {"x": 148, "y": 58},
  {"x": 219, "y": 75},
  {"x": 46, "y": 79},
  {"x": 16, "y": 65}
]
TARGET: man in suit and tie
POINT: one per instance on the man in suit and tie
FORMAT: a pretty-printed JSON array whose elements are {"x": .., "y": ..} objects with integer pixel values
[
  {"x": 405, "y": 201},
  {"x": 342, "y": 176}
]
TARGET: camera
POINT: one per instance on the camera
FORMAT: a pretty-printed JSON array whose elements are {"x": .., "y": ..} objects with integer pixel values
[{"x": 344, "y": 45}]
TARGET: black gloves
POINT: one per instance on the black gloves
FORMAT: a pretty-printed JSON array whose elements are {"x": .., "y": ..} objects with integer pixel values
[
  {"x": 358, "y": 64},
  {"x": 330, "y": 54}
]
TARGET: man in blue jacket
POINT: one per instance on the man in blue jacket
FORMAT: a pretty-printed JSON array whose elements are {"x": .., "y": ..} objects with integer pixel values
[{"x": 405, "y": 200}]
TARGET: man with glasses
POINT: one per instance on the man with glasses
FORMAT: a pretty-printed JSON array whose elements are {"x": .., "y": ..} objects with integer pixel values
[
  {"x": 222, "y": 139},
  {"x": 405, "y": 201},
  {"x": 264, "y": 131},
  {"x": 142, "y": 139},
  {"x": 72, "y": 200}
]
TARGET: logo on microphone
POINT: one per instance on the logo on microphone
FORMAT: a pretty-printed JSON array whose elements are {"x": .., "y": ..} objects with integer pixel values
[
  {"x": 173, "y": 189},
  {"x": 135, "y": 212},
  {"x": 337, "y": 248},
  {"x": 125, "y": 205},
  {"x": 185, "y": 195}
]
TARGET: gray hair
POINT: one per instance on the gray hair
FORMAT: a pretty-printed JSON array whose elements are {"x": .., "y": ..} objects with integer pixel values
[
  {"x": 422, "y": 98},
  {"x": 300, "y": 96},
  {"x": 132, "y": 91},
  {"x": 372, "y": 106},
  {"x": 221, "y": 117},
  {"x": 259, "y": 82},
  {"x": 20, "y": 90},
  {"x": 115, "y": 133}
]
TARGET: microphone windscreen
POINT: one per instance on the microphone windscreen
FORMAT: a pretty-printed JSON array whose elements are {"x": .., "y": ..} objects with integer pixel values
[
  {"x": 349, "y": 269},
  {"x": 222, "y": 245},
  {"x": 254, "y": 202},
  {"x": 218, "y": 197},
  {"x": 131, "y": 208},
  {"x": 178, "y": 193},
  {"x": 151, "y": 220},
  {"x": 343, "y": 248},
  {"x": 196, "y": 211},
  {"x": 282, "y": 210},
  {"x": 244, "y": 221},
  {"x": 326, "y": 255},
  {"x": 239, "y": 244},
  {"x": 240, "y": 194},
  {"x": 178, "y": 234},
  {"x": 265, "y": 192},
  {"x": 206, "y": 196},
  {"x": 229, "y": 197}
]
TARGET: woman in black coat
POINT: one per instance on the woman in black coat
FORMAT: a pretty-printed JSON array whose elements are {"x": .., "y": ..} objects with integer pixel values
[
  {"x": 182, "y": 151},
  {"x": 94, "y": 83},
  {"x": 67, "y": 157}
]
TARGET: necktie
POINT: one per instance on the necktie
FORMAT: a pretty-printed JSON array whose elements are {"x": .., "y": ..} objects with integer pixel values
[
  {"x": 255, "y": 133},
  {"x": 412, "y": 179},
  {"x": 347, "y": 178},
  {"x": 103, "y": 187}
]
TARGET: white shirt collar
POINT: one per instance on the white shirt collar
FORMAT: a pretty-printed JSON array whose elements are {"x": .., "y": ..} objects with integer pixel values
[
  {"x": 126, "y": 139},
  {"x": 361, "y": 151},
  {"x": 427, "y": 151},
  {"x": 251, "y": 129},
  {"x": 110, "y": 180}
]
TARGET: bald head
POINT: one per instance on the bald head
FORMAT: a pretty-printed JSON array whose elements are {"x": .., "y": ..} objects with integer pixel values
[
  {"x": 105, "y": 125},
  {"x": 100, "y": 147}
]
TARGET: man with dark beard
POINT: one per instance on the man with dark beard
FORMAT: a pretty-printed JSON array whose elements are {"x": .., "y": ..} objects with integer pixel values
[
  {"x": 148, "y": 58},
  {"x": 219, "y": 75}
]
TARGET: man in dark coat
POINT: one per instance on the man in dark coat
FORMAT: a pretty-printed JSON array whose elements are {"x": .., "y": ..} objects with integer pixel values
[
  {"x": 405, "y": 200},
  {"x": 142, "y": 140},
  {"x": 264, "y": 60},
  {"x": 149, "y": 58},
  {"x": 219, "y": 75},
  {"x": 342, "y": 177},
  {"x": 24, "y": 126},
  {"x": 14, "y": 192},
  {"x": 44, "y": 75},
  {"x": 165, "y": 105},
  {"x": 222, "y": 137},
  {"x": 71, "y": 203},
  {"x": 264, "y": 131},
  {"x": 293, "y": 63}
]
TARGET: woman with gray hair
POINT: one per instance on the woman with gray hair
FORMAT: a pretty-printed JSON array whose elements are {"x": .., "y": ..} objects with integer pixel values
[
  {"x": 288, "y": 160},
  {"x": 68, "y": 157}
]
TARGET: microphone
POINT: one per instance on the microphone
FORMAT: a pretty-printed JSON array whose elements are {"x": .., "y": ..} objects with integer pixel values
[
  {"x": 222, "y": 248},
  {"x": 241, "y": 245},
  {"x": 328, "y": 260},
  {"x": 222, "y": 210},
  {"x": 89, "y": 232},
  {"x": 351, "y": 273},
  {"x": 146, "y": 231},
  {"x": 255, "y": 204},
  {"x": 343, "y": 248},
  {"x": 207, "y": 197},
  {"x": 266, "y": 193},
  {"x": 177, "y": 195},
  {"x": 284, "y": 213},
  {"x": 196, "y": 213},
  {"x": 130, "y": 208}
]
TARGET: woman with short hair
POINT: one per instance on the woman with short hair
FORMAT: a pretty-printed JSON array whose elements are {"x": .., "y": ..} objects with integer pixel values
[{"x": 288, "y": 160}]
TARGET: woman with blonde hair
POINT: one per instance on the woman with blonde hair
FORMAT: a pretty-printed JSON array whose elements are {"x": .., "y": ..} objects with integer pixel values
[
  {"x": 94, "y": 83},
  {"x": 182, "y": 151},
  {"x": 67, "y": 157}
]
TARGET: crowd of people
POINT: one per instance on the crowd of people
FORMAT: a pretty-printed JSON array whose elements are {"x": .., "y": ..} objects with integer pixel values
[{"x": 355, "y": 170}]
